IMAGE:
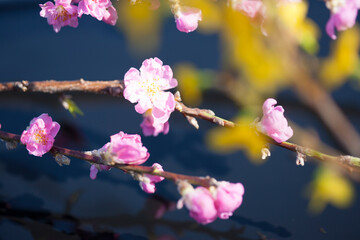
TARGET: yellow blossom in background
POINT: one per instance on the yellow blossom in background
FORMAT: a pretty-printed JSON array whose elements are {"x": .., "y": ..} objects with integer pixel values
[
  {"x": 189, "y": 86},
  {"x": 211, "y": 14},
  {"x": 343, "y": 60},
  {"x": 248, "y": 50},
  {"x": 192, "y": 81},
  {"x": 242, "y": 137},
  {"x": 293, "y": 16},
  {"x": 329, "y": 187},
  {"x": 141, "y": 25}
]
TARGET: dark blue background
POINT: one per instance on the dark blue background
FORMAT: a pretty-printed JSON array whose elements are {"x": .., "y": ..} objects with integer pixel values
[{"x": 274, "y": 202}]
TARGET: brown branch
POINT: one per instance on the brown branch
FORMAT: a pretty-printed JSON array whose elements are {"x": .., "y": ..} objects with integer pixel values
[
  {"x": 115, "y": 88},
  {"x": 202, "y": 181}
]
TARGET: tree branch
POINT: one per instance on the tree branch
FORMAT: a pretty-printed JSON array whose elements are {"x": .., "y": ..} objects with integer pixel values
[
  {"x": 87, "y": 156},
  {"x": 116, "y": 87}
]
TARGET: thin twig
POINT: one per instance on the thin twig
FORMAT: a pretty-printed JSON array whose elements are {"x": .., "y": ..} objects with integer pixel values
[
  {"x": 202, "y": 181},
  {"x": 113, "y": 88}
]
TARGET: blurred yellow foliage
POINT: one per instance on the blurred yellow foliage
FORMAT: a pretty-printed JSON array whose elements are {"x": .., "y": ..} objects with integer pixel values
[
  {"x": 140, "y": 24},
  {"x": 188, "y": 79},
  {"x": 343, "y": 60},
  {"x": 242, "y": 137},
  {"x": 251, "y": 52},
  {"x": 329, "y": 187},
  {"x": 306, "y": 32},
  {"x": 211, "y": 14}
]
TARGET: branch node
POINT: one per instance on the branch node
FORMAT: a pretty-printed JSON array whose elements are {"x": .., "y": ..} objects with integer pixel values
[
  {"x": 300, "y": 159},
  {"x": 22, "y": 86},
  {"x": 265, "y": 152},
  {"x": 62, "y": 159},
  {"x": 192, "y": 121},
  {"x": 177, "y": 96},
  {"x": 208, "y": 111},
  {"x": 178, "y": 107},
  {"x": 219, "y": 121},
  {"x": 10, "y": 145}
]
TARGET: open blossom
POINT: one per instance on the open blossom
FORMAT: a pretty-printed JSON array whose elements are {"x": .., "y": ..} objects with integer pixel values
[
  {"x": 94, "y": 169},
  {"x": 343, "y": 15},
  {"x": 60, "y": 14},
  {"x": 148, "y": 181},
  {"x": 273, "y": 122},
  {"x": 187, "y": 19},
  {"x": 39, "y": 136},
  {"x": 102, "y": 10},
  {"x": 147, "y": 88},
  {"x": 151, "y": 127},
  {"x": 228, "y": 197},
  {"x": 125, "y": 149},
  {"x": 95, "y": 8}
]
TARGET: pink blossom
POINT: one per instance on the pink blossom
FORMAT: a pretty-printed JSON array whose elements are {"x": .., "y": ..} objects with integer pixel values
[
  {"x": 147, "y": 88},
  {"x": 95, "y": 168},
  {"x": 273, "y": 122},
  {"x": 95, "y": 8},
  {"x": 250, "y": 8},
  {"x": 125, "y": 149},
  {"x": 342, "y": 17},
  {"x": 39, "y": 136},
  {"x": 147, "y": 184},
  {"x": 201, "y": 205},
  {"x": 151, "y": 127},
  {"x": 187, "y": 18},
  {"x": 228, "y": 197},
  {"x": 60, "y": 15},
  {"x": 110, "y": 16}
]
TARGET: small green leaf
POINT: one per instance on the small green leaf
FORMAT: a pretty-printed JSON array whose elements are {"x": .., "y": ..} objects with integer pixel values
[{"x": 71, "y": 106}]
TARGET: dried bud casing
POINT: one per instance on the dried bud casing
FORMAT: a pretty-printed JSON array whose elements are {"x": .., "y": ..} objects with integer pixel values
[{"x": 62, "y": 159}]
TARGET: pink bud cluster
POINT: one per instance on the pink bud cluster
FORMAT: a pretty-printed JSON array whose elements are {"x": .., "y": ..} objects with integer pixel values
[
  {"x": 66, "y": 13},
  {"x": 39, "y": 137},
  {"x": 147, "y": 88},
  {"x": 205, "y": 205},
  {"x": 273, "y": 122},
  {"x": 343, "y": 15}
]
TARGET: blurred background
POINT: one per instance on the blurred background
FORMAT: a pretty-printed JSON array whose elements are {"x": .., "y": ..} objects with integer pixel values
[{"x": 227, "y": 65}]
